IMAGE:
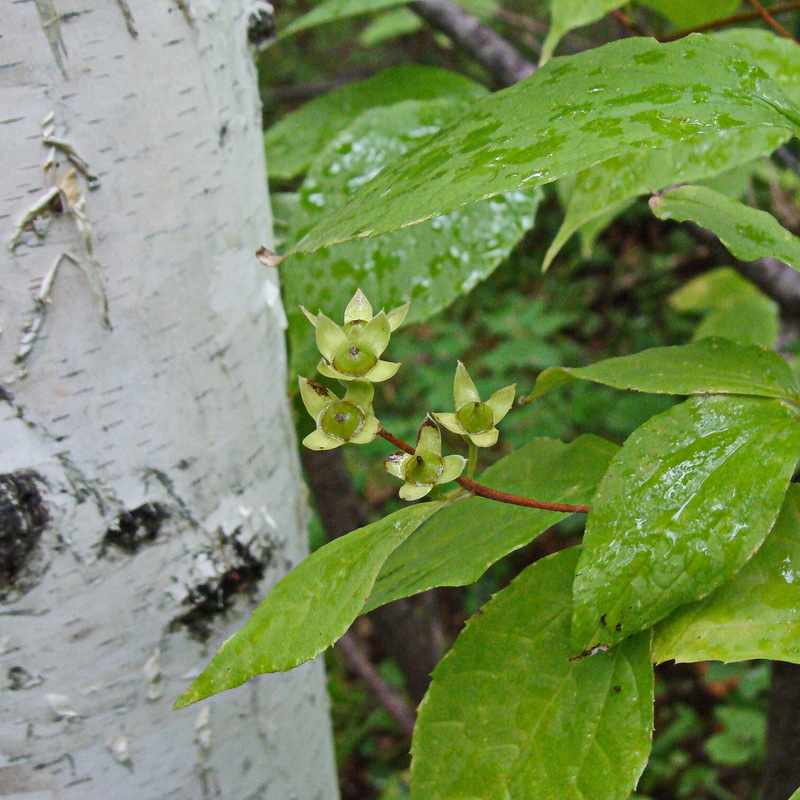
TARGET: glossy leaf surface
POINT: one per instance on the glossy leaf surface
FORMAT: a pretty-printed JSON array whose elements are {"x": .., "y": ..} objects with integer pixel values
[
  {"x": 685, "y": 503},
  {"x": 430, "y": 264},
  {"x": 508, "y": 716},
  {"x": 748, "y": 233},
  {"x": 457, "y": 546},
  {"x": 293, "y": 142},
  {"x": 732, "y": 307},
  {"x": 566, "y": 15},
  {"x": 625, "y": 97},
  {"x": 756, "y": 614},
  {"x": 333, "y": 10},
  {"x": 310, "y": 608},
  {"x": 709, "y": 366}
]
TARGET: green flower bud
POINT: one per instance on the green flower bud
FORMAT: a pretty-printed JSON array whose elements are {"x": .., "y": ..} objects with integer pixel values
[
  {"x": 474, "y": 419},
  {"x": 426, "y": 467},
  {"x": 342, "y": 420},
  {"x": 339, "y": 421},
  {"x": 423, "y": 468},
  {"x": 354, "y": 360}
]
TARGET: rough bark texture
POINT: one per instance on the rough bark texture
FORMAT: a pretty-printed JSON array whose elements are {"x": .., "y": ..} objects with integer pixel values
[
  {"x": 148, "y": 477},
  {"x": 782, "y": 773}
]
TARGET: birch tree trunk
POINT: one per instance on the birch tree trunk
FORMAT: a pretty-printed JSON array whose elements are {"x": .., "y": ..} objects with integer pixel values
[{"x": 149, "y": 487}]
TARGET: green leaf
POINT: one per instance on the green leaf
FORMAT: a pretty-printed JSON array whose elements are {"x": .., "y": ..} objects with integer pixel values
[
  {"x": 396, "y": 22},
  {"x": 509, "y": 716},
  {"x": 605, "y": 189},
  {"x": 756, "y": 614},
  {"x": 566, "y": 15},
  {"x": 689, "y": 13},
  {"x": 710, "y": 366},
  {"x": 748, "y": 233},
  {"x": 733, "y": 308},
  {"x": 293, "y": 142},
  {"x": 310, "y": 608},
  {"x": 430, "y": 264},
  {"x": 777, "y": 56},
  {"x": 685, "y": 503},
  {"x": 796, "y": 795},
  {"x": 625, "y": 97},
  {"x": 463, "y": 540},
  {"x": 333, "y": 10}
]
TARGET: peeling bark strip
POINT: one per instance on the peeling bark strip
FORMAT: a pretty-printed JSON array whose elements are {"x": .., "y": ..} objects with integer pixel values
[{"x": 23, "y": 516}]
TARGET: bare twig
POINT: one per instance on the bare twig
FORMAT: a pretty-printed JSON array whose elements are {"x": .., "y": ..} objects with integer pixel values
[
  {"x": 386, "y": 696},
  {"x": 488, "y": 48},
  {"x": 770, "y": 20},
  {"x": 733, "y": 19}
]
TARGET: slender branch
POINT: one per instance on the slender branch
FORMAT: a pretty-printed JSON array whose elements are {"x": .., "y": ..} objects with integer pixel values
[
  {"x": 493, "y": 494},
  {"x": 770, "y": 20},
  {"x": 479, "y": 41},
  {"x": 386, "y": 696},
  {"x": 733, "y": 19}
]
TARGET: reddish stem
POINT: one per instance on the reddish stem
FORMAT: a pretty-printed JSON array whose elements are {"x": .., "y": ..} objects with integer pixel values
[
  {"x": 770, "y": 20},
  {"x": 492, "y": 494}
]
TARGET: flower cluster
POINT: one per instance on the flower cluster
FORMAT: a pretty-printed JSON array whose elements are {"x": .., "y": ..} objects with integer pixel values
[{"x": 351, "y": 353}]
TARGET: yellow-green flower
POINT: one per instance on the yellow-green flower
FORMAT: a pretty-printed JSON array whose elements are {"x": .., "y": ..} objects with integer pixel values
[
  {"x": 474, "y": 419},
  {"x": 426, "y": 467},
  {"x": 339, "y": 421},
  {"x": 353, "y": 351}
]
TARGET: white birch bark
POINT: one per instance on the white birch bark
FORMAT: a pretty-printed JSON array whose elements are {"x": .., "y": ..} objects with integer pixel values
[{"x": 166, "y": 422}]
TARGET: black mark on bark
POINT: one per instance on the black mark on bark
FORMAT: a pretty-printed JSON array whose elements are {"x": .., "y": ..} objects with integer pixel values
[
  {"x": 242, "y": 573},
  {"x": 23, "y": 517},
  {"x": 134, "y": 529}
]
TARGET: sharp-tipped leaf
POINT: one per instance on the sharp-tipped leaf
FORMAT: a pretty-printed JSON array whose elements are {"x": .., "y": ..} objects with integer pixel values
[
  {"x": 709, "y": 366},
  {"x": 430, "y": 264},
  {"x": 293, "y": 142},
  {"x": 509, "y": 716},
  {"x": 685, "y": 503},
  {"x": 747, "y": 232},
  {"x": 310, "y": 608},
  {"x": 462, "y": 541},
  {"x": 625, "y": 97},
  {"x": 756, "y": 614}
]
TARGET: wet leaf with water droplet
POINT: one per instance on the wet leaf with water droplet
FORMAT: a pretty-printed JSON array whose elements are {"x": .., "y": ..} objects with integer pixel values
[
  {"x": 756, "y": 614},
  {"x": 686, "y": 502},
  {"x": 429, "y": 264},
  {"x": 463, "y": 540},
  {"x": 295, "y": 140},
  {"x": 748, "y": 233},
  {"x": 619, "y": 99},
  {"x": 709, "y": 366},
  {"x": 509, "y": 716},
  {"x": 310, "y": 608}
]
